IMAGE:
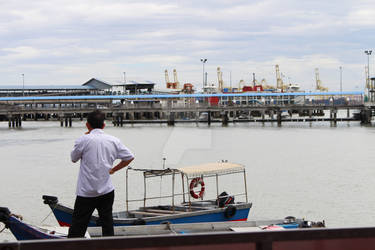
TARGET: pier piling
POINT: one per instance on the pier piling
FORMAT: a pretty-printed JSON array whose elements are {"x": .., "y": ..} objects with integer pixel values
[
  {"x": 278, "y": 118},
  {"x": 225, "y": 119},
  {"x": 171, "y": 119}
]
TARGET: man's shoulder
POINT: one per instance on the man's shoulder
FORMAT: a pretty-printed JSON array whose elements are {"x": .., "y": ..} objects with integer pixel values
[{"x": 111, "y": 137}]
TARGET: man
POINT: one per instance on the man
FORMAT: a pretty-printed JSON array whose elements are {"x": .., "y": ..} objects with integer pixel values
[{"x": 97, "y": 152}]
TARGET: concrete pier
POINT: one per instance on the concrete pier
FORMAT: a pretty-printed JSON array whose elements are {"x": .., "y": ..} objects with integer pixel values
[{"x": 173, "y": 109}]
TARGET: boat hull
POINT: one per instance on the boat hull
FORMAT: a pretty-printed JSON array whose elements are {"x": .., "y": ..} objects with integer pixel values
[
  {"x": 23, "y": 231},
  {"x": 64, "y": 216}
]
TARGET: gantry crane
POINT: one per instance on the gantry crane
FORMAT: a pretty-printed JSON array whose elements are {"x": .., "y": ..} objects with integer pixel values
[
  {"x": 176, "y": 82},
  {"x": 171, "y": 85},
  {"x": 279, "y": 81},
  {"x": 220, "y": 79},
  {"x": 319, "y": 85}
]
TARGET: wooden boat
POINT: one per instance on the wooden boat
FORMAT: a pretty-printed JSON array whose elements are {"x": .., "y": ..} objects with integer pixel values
[
  {"x": 193, "y": 208},
  {"x": 25, "y": 231}
]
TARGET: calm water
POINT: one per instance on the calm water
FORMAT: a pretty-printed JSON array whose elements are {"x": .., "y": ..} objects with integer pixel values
[{"x": 312, "y": 171}]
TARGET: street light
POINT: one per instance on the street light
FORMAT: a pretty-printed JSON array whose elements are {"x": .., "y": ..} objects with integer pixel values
[
  {"x": 203, "y": 62},
  {"x": 23, "y": 84},
  {"x": 368, "y": 53}
]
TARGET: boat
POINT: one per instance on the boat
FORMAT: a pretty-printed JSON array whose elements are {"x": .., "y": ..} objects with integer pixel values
[
  {"x": 25, "y": 231},
  {"x": 193, "y": 208}
]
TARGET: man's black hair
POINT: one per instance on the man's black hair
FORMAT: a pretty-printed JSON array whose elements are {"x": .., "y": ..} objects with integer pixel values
[{"x": 96, "y": 119}]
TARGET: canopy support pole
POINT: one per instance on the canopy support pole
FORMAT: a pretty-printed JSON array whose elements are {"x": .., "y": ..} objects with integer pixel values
[
  {"x": 127, "y": 188},
  {"x": 173, "y": 180},
  {"x": 183, "y": 188},
  {"x": 244, "y": 177},
  {"x": 144, "y": 188}
]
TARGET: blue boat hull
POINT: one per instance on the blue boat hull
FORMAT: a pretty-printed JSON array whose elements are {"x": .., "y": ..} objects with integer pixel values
[
  {"x": 23, "y": 231},
  {"x": 65, "y": 218},
  {"x": 201, "y": 211}
]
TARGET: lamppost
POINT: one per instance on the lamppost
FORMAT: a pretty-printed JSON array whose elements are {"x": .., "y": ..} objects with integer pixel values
[
  {"x": 23, "y": 84},
  {"x": 203, "y": 62},
  {"x": 368, "y": 53}
]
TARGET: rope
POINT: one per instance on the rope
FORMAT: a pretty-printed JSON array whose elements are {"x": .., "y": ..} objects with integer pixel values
[{"x": 49, "y": 214}]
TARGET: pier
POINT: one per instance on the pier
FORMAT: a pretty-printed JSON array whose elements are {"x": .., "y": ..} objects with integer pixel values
[{"x": 192, "y": 108}]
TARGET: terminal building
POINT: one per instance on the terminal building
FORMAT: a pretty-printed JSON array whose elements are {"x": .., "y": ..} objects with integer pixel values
[{"x": 93, "y": 86}]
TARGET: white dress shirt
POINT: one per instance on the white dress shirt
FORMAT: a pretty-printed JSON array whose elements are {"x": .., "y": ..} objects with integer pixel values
[{"x": 97, "y": 152}]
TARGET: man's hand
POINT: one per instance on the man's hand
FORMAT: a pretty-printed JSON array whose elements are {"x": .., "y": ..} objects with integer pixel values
[{"x": 119, "y": 166}]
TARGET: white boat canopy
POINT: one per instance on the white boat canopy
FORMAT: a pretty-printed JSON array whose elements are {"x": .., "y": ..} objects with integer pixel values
[{"x": 209, "y": 169}]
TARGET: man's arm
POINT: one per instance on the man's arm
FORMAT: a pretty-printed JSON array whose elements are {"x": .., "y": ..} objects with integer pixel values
[
  {"x": 76, "y": 153},
  {"x": 119, "y": 166}
]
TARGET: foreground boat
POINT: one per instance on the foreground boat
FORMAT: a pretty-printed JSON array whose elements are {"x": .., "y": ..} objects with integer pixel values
[
  {"x": 25, "y": 231},
  {"x": 193, "y": 208}
]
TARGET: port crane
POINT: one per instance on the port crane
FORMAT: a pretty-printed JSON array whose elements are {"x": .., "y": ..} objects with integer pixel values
[
  {"x": 171, "y": 85},
  {"x": 220, "y": 79},
  {"x": 188, "y": 88},
  {"x": 175, "y": 79},
  {"x": 319, "y": 85},
  {"x": 279, "y": 81}
]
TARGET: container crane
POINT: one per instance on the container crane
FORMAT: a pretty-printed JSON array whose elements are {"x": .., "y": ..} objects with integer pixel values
[
  {"x": 170, "y": 85},
  {"x": 176, "y": 82},
  {"x": 220, "y": 79},
  {"x": 279, "y": 81},
  {"x": 319, "y": 85}
]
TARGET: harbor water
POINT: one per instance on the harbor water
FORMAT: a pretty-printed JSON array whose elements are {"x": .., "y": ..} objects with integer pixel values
[{"x": 315, "y": 171}]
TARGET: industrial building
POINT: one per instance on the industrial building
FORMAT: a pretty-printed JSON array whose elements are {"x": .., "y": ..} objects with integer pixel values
[{"x": 93, "y": 86}]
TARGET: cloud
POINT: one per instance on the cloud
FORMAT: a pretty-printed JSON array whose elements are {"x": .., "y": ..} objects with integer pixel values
[{"x": 75, "y": 41}]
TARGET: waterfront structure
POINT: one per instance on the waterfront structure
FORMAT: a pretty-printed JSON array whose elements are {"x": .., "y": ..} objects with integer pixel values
[
  {"x": 171, "y": 108},
  {"x": 93, "y": 86}
]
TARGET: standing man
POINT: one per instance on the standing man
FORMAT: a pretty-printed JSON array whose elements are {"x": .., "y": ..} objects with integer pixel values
[{"x": 97, "y": 152}]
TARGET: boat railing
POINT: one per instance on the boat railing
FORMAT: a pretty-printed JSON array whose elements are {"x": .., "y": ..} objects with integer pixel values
[
  {"x": 188, "y": 175},
  {"x": 155, "y": 197}
]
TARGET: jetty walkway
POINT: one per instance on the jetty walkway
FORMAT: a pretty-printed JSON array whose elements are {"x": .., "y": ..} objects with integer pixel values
[{"x": 206, "y": 108}]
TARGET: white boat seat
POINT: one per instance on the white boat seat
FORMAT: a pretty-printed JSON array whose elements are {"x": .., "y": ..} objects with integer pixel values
[
  {"x": 145, "y": 213},
  {"x": 162, "y": 211}
]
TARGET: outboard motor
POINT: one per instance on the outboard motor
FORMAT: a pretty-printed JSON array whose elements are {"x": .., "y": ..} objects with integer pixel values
[
  {"x": 224, "y": 199},
  {"x": 4, "y": 215},
  {"x": 50, "y": 200}
]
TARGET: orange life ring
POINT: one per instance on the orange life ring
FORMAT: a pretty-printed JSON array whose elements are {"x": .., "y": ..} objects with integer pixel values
[{"x": 194, "y": 183}]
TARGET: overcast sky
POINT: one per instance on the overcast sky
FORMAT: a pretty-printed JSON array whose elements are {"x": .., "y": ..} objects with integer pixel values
[{"x": 69, "y": 41}]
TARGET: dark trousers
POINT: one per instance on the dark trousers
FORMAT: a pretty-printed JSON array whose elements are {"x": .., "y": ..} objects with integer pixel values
[{"x": 83, "y": 209}]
